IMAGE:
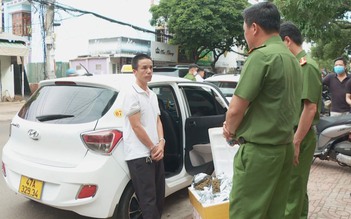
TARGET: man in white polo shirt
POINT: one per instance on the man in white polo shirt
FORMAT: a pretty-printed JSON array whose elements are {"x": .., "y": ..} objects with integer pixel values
[{"x": 143, "y": 139}]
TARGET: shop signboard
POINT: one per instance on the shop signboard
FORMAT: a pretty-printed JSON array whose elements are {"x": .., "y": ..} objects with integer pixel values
[
  {"x": 119, "y": 46},
  {"x": 207, "y": 59},
  {"x": 164, "y": 52}
]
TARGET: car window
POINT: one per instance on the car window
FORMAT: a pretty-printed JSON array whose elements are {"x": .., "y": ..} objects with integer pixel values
[
  {"x": 228, "y": 84},
  {"x": 226, "y": 87},
  {"x": 171, "y": 71},
  {"x": 167, "y": 100},
  {"x": 68, "y": 104},
  {"x": 183, "y": 72},
  {"x": 203, "y": 101},
  {"x": 168, "y": 71}
]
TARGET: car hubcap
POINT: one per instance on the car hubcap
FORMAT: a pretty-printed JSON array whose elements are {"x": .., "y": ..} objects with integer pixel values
[{"x": 134, "y": 208}]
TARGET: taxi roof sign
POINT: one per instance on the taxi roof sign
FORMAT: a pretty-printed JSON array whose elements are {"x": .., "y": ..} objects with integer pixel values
[{"x": 127, "y": 69}]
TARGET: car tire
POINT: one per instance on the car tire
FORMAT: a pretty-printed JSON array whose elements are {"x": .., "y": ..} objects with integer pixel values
[{"x": 128, "y": 207}]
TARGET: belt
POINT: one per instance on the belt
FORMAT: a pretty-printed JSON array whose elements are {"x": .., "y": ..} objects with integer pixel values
[
  {"x": 241, "y": 140},
  {"x": 313, "y": 127}
]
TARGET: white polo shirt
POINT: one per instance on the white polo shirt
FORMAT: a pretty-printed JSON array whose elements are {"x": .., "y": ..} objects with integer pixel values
[
  {"x": 199, "y": 78},
  {"x": 136, "y": 100}
]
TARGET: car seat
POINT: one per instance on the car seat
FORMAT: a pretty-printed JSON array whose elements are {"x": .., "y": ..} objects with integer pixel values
[{"x": 172, "y": 155}]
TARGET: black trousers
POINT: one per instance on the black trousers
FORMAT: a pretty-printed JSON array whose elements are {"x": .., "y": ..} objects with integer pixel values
[{"x": 148, "y": 180}]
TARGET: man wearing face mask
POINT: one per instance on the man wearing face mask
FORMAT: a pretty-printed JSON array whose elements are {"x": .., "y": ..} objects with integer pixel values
[
  {"x": 192, "y": 72},
  {"x": 336, "y": 83}
]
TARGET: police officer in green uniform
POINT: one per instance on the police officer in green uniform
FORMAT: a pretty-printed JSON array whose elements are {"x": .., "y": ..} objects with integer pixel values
[
  {"x": 261, "y": 116},
  {"x": 192, "y": 72},
  {"x": 305, "y": 136}
]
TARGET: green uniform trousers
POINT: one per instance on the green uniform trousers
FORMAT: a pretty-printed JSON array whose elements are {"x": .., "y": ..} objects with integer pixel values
[
  {"x": 297, "y": 206},
  {"x": 260, "y": 181}
]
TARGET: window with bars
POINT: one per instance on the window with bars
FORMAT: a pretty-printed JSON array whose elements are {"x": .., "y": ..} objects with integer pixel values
[{"x": 21, "y": 24}]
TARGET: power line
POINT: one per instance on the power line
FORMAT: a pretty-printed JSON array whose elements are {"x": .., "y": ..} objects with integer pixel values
[{"x": 71, "y": 9}]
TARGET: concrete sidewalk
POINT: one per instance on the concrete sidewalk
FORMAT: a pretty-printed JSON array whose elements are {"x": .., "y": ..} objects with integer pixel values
[
  {"x": 329, "y": 190},
  {"x": 329, "y": 185},
  {"x": 9, "y": 109}
]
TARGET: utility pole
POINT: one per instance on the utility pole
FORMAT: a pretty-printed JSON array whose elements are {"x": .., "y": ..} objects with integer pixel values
[
  {"x": 0, "y": 16},
  {"x": 50, "y": 41}
]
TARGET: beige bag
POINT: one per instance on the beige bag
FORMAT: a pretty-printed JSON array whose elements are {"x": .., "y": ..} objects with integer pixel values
[{"x": 327, "y": 104}]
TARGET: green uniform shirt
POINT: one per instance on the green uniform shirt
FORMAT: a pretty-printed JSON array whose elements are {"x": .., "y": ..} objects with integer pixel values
[
  {"x": 312, "y": 83},
  {"x": 271, "y": 80},
  {"x": 190, "y": 77}
]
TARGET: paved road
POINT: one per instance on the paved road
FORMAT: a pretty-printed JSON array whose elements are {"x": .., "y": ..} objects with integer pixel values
[
  {"x": 177, "y": 206},
  {"x": 329, "y": 191}
]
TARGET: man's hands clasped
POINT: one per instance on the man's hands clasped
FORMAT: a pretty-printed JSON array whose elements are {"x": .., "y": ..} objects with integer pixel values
[{"x": 157, "y": 151}]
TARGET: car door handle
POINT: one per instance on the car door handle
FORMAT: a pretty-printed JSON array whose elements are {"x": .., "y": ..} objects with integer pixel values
[{"x": 192, "y": 123}]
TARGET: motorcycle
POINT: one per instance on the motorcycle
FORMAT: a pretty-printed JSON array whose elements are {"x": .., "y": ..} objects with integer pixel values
[
  {"x": 326, "y": 101},
  {"x": 334, "y": 139}
]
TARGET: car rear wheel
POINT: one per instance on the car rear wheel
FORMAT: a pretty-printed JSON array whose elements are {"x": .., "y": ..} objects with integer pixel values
[{"x": 128, "y": 207}]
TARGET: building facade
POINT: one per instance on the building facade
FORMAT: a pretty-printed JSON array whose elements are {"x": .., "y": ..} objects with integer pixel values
[
  {"x": 14, "y": 50},
  {"x": 109, "y": 55},
  {"x": 105, "y": 55}
]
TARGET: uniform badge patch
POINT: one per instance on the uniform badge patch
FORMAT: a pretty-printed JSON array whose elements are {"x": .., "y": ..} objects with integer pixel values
[{"x": 303, "y": 61}]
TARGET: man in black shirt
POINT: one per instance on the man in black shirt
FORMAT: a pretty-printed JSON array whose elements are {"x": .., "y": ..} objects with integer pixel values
[{"x": 336, "y": 83}]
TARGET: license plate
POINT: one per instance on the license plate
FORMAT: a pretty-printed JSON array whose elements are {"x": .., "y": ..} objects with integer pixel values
[{"x": 31, "y": 187}]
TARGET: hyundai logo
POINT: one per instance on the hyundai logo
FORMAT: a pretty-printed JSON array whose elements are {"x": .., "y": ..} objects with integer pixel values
[{"x": 33, "y": 134}]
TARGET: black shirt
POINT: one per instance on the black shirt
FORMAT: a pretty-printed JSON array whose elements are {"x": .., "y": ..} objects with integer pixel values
[{"x": 337, "y": 91}]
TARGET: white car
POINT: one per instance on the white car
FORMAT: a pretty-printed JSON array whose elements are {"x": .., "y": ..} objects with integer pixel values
[
  {"x": 226, "y": 83},
  {"x": 66, "y": 144}
]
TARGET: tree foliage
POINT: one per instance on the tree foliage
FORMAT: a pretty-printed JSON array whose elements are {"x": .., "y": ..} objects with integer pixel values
[
  {"x": 322, "y": 22},
  {"x": 197, "y": 26}
]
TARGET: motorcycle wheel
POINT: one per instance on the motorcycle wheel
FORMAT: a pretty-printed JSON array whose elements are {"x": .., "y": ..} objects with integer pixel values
[{"x": 342, "y": 164}]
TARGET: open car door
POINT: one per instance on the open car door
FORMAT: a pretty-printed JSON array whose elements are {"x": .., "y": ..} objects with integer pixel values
[{"x": 207, "y": 107}]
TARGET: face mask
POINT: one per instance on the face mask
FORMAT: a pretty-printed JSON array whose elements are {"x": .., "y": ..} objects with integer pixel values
[{"x": 339, "y": 69}]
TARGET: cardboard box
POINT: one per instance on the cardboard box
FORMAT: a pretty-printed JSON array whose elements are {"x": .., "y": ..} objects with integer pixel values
[
  {"x": 223, "y": 157},
  {"x": 208, "y": 211}
]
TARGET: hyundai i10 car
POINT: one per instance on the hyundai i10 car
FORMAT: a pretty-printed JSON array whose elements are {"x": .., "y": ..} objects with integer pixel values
[{"x": 65, "y": 147}]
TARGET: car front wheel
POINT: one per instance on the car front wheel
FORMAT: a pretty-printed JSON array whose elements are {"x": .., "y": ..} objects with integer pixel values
[{"x": 128, "y": 207}]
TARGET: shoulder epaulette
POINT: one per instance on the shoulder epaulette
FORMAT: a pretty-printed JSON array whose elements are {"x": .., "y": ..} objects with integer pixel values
[
  {"x": 303, "y": 61},
  {"x": 253, "y": 49}
]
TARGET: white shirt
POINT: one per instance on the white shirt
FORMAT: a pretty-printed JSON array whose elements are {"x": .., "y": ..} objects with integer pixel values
[
  {"x": 199, "y": 78},
  {"x": 136, "y": 100}
]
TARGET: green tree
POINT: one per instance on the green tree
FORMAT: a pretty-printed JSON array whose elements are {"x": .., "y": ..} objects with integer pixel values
[
  {"x": 197, "y": 26},
  {"x": 322, "y": 22}
]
